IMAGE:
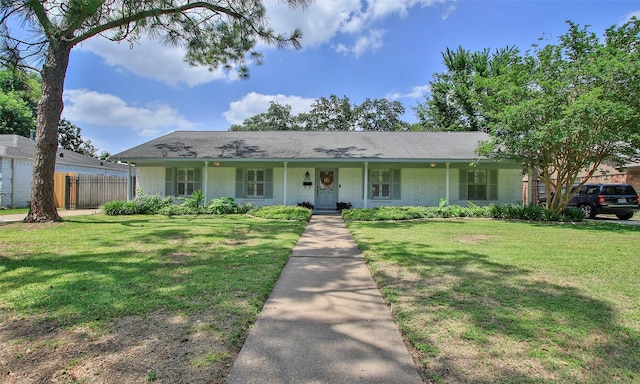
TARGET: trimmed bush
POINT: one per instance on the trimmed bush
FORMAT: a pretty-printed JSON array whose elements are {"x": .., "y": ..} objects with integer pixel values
[
  {"x": 282, "y": 212},
  {"x": 501, "y": 211}
]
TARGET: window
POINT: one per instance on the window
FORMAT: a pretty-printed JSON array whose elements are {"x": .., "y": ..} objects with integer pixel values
[
  {"x": 384, "y": 184},
  {"x": 256, "y": 183},
  {"x": 185, "y": 181},
  {"x": 182, "y": 181},
  {"x": 479, "y": 184}
]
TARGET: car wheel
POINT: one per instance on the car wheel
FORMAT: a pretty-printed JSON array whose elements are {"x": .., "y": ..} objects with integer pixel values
[
  {"x": 588, "y": 211},
  {"x": 624, "y": 216}
]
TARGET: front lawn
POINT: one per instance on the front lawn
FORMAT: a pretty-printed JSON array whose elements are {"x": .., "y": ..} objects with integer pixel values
[
  {"x": 487, "y": 301},
  {"x": 132, "y": 299}
]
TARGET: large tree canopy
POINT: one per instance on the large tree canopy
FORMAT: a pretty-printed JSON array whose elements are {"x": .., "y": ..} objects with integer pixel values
[
  {"x": 214, "y": 33},
  {"x": 562, "y": 109},
  {"x": 451, "y": 104},
  {"x": 330, "y": 114}
]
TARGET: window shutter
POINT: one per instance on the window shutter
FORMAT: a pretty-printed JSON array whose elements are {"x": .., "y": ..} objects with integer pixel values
[
  {"x": 169, "y": 181},
  {"x": 268, "y": 183},
  {"x": 463, "y": 190},
  {"x": 197, "y": 179},
  {"x": 369, "y": 187},
  {"x": 395, "y": 187},
  {"x": 492, "y": 185},
  {"x": 240, "y": 190}
]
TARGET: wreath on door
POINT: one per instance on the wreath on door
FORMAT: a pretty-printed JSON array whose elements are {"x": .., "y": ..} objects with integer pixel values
[{"x": 326, "y": 180}]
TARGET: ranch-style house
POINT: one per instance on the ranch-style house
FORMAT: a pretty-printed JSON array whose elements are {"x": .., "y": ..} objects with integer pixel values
[{"x": 363, "y": 169}]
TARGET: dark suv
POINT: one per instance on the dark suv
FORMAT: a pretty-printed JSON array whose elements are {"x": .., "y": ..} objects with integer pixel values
[{"x": 617, "y": 199}]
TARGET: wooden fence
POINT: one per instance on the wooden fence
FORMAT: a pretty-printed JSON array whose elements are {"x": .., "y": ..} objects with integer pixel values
[{"x": 91, "y": 191}]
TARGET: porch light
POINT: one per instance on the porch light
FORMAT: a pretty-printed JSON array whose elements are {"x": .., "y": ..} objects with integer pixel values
[{"x": 307, "y": 180}]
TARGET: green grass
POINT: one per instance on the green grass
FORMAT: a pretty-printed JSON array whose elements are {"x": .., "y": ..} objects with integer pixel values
[
  {"x": 490, "y": 301},
  {"x": 14, "y": 211},
  {"x": 97, "y": 268}
]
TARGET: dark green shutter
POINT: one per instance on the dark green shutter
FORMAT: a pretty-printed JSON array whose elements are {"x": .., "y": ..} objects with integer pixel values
[
  {"x": 492, "y": 185},
  {"x": 240, "y": 189},
  {"x": 197, "y": 179},
  {"x": 395, "y": 186},
  {"x": 463, "y": 190},
  {"x": 268, "y": 183},
  {"x": 170, "y": 182}
]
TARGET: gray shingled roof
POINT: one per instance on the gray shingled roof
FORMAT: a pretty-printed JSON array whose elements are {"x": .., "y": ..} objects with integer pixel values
[
  {"x": 20, "y": 147},
  {"x": 315, "y": 146}
]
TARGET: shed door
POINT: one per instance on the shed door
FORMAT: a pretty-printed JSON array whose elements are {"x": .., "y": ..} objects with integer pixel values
[{"x": 327, "y": 189}]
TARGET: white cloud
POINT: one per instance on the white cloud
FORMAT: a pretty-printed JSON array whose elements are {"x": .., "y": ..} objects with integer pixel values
[
  {"x": 415, "y": 93},
  {"x": 368, "y": 43},
  {"x": 635, "y": 14},
  {"x": 85, "y": 106},
  {"x": 323, "y": 20},
  {"x": 153, "y": 60},
  {"x": 254, "y": 103}
]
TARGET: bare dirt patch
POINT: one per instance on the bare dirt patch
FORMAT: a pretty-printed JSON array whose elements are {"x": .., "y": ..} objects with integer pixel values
[{"x": 163, "y": 347}]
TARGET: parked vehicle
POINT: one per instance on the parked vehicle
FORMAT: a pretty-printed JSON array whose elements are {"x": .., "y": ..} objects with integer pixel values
[{"x": 594, "y": 199}]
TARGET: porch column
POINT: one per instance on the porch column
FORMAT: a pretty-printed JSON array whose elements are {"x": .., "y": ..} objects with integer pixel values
[
  {"x": 366, "y": 183},
  {"x": 129, "y": 183},
  {"x": 447, "y": 183},
  {"x": 285, "y": 184},
  {"x": 205, "y": 189}
]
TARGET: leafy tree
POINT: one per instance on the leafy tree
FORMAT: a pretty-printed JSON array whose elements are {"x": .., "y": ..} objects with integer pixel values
[
  {"x": 104, "y": 155},
  {"x": 69, "y": 138},
  {"x": 380, "y": 115},
  {"x": 567, "y": 107},
  {"x": 18, "y": 98},
  {"x": 16, "y": 117},
  {"x": 452, "y": 103},
  {"x": 215, "y": 34},
  {"x": 332, "y": 114},
  {"x": 277, "y": 118}
]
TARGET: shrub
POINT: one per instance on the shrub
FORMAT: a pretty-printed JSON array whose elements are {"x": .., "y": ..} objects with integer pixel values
[
  {"x": 282, "y": 212},
  {"x": 151, "y": 204},
  {"x": 196, "y": 201},
  {"x": 225, "y": 206},
  {"x": 120, "y": 207},
  {"x": 501, "y": 211}
]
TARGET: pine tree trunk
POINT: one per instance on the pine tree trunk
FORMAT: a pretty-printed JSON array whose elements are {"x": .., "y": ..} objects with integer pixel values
[{"x": 49, "y": 109}]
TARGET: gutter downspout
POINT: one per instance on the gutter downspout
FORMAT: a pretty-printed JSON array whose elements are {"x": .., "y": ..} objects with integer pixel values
[{"x": 285, "y": 183}]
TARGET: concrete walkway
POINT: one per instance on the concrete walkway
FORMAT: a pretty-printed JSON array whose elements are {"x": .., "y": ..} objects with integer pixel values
[
  {"x": 325, "y": 321},
  {"x": 62, "y": 213}
]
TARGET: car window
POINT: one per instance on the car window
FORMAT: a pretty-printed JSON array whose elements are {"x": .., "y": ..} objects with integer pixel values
[
  {"x": 624, "y": 190},
  {"x": 592, "y": 190}
]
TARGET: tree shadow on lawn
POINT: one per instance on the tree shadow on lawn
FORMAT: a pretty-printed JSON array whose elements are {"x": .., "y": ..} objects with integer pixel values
[
  {"x": 476, "y": 320},
  {"x": 178, "y": 310}
]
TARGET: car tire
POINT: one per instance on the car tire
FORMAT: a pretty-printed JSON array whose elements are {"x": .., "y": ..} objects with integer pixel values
[
  {"x": 624, "y": 216},
  {"x": 588, "y": 210}
]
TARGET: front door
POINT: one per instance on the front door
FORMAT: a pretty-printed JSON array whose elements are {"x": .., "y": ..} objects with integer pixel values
[{"x": 327, "y": 189}]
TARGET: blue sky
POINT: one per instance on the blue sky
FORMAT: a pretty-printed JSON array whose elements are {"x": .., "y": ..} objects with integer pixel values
[{"x": 121, "y": 97}]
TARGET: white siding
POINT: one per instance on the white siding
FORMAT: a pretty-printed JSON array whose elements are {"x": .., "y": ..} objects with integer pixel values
[
  {"x": 351, "y": 180},
  {"x": 419, "y": 186},
  {"x": 296, "y": 192},
  {"x": 510, "y": 186},
  {"x": 150, "y": 180},
  {"x": 221, "y": 182},
  {"x": 423, "y": 186}
]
